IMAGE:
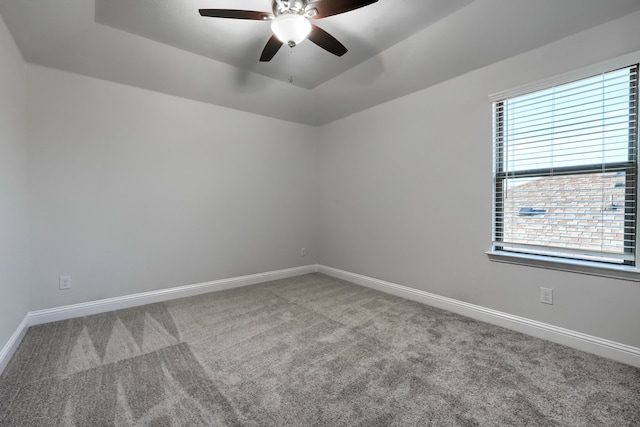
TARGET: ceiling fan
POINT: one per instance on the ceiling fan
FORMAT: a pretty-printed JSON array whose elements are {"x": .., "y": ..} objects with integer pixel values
[{"x": 290, "y": 22}]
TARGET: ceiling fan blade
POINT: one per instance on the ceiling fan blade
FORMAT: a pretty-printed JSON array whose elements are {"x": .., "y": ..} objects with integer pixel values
[
  {"x": 236, "y": 14},
  {"x": 334, "y": 7},
  {"x": 326, "y": 41},
  {"x": 270, "y": 50}
]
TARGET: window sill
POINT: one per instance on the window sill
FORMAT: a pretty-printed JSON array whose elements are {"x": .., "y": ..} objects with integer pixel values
[{"x": 575, "y": 266}]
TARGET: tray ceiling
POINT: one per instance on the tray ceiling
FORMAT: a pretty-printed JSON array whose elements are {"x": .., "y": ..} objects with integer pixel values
[{"x": 395, "y": 47}]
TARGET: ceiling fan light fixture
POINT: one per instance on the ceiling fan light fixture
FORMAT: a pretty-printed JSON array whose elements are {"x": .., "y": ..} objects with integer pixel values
[{"x": 291, "y": 28}]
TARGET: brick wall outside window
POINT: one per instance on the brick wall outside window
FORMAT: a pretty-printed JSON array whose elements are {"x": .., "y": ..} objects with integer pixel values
[{"x": 584, "y": 212}]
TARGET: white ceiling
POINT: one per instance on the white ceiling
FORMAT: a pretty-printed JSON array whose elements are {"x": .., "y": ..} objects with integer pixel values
[{"x": 395, "y": 47}]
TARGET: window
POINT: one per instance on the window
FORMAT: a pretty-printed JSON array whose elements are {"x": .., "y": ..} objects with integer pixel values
[{"x": 565, "y": 170}]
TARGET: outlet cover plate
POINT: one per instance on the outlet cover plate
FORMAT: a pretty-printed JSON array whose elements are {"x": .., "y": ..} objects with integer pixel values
[
  {"x": 546, "y": 295},
  {"x": 65, "y": 282}
]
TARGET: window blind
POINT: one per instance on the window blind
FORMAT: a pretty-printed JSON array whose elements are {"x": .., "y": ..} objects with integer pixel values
[{"x": 565, "y": 170}]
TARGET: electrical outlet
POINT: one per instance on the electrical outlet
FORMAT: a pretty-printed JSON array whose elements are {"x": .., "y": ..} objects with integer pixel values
[
  {"x": 303, "y": 252},
  {"x": 546, "y": 295},
  {"x": 65, "y": 282}
]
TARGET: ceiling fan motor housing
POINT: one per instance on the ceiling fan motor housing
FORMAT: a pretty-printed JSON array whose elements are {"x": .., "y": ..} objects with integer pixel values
[{"x": 281, "y": 7}]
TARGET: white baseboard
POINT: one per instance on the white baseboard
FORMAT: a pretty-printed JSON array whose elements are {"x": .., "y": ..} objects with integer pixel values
[
  {"x": 110, "y": 304},
  {"x": 599, "y": 346},
  {"x": 14, "y": 341},
  {"x": 134, "y": 300},
  {"x": 590, "y": 344}
]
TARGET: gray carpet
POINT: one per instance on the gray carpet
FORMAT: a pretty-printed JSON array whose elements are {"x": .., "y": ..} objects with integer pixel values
[{"x": 310, "y": 350}]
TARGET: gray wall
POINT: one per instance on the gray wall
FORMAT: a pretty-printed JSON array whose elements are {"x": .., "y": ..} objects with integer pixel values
[
  {"x": 406, "y": 192},
  {"x": 14, "y": 230},
  {"x": 133, "y": 190}
]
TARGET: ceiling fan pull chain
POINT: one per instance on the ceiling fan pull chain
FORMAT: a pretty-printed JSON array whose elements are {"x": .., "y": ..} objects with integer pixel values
[{"x": 290, "y": 66}]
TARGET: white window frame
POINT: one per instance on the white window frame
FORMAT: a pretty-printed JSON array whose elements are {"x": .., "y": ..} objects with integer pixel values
[{"x": 566, "y": 264}]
